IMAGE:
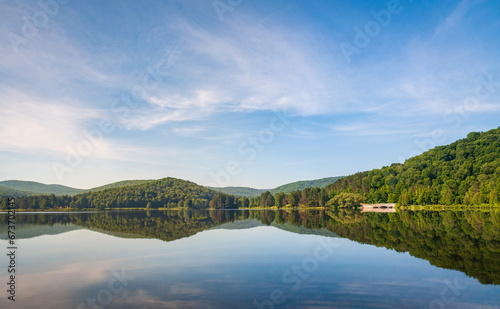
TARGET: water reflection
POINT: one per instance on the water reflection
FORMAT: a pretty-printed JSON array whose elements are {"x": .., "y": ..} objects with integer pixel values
[
  {"x": 467, "y": 241},
  {"x": 243, "y": 256}
]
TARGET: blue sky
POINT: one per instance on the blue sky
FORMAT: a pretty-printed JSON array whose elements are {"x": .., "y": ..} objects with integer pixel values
[{"x": 239, "y": 93}]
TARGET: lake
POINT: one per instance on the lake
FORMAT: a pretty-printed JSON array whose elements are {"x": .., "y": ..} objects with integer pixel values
[{"x": 255, "y": 259}]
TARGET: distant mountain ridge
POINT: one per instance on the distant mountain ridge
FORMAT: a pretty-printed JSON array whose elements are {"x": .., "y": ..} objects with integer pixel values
[
  {"x": 9, "y": 192},
  {"x": 301, "y": 185},
  {"x": 239, "y": 191},
  {"x": 465, "y": 172},
  {"x": 286, "y": 188},
  {"x": 36, "y": 188},
  {"x": 18, "y": 188}
]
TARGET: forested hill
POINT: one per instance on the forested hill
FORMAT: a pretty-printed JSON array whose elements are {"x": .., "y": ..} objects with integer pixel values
[
  {"x": 464, "y": 172},
  {"x": 166, "y": 192},
  {"x": 9, "y": 192},
  {"x": 18, "y": 188},
  {"x": 23, "y": 188},
  {"x": 240, "y": 191},
  {"x": 122, "y": 183},
  {"x": 300, "y": 185},
  {"x": 286, "y": 188}
]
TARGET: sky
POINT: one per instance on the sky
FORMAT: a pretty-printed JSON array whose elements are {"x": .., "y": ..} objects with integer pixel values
[{"x": 238, "y": 92}]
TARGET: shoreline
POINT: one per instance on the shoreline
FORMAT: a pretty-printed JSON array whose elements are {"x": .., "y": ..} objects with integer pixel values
[{"x": 398, "y": 208}]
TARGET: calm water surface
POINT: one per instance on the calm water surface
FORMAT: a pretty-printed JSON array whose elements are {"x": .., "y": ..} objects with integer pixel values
[{"x": 255, "y": 259}]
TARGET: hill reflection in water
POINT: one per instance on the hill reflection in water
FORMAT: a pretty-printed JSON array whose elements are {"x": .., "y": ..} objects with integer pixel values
[{"x": 467, "y": 241}]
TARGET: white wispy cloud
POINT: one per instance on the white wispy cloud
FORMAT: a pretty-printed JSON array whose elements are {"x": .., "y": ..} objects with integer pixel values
[
  {"x": 40, "y": 124},
  {"x": 455, "y": 17},
  {"x": 240, "y": 70},
  {"x": 248, "y": 66},
  {"x": 56, "y": 128}
]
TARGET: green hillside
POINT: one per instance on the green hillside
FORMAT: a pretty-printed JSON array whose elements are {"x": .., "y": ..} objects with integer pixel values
[
  {"x": 240, "y": 191},
  {"x": 18, "y": 188},
  {"x": 301, "y": 185},
  {"x": 32, "y": 188},
  {"x": 122, "y": 183},
  {"x": 166, "y": 192},
  {"x": 8, "y": 192},
  {"x": 287, "y": 188},
  {"x": 464, "y": 172}
]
